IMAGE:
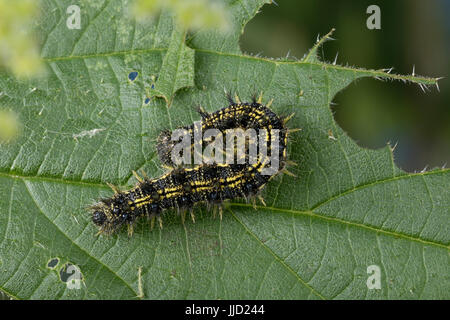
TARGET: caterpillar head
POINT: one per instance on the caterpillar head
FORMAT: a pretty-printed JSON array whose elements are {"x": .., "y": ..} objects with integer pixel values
[{"x": 110, "y": 214}]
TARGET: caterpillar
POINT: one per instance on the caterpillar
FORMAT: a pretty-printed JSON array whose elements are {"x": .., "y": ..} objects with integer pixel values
[{"x": 212, "y": 183}]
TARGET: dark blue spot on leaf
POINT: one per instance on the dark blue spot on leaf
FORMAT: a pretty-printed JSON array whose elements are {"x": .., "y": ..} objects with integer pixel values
[
  {"x": 147, "y": 100},
  {"x": 132, "y": 75}
]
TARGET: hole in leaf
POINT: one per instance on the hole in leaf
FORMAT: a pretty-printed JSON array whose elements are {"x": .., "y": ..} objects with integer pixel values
[
  {"x": 70, "y": 272},
  {"x": 52, "y": 263},
  {"x": 374, "y": 113}
]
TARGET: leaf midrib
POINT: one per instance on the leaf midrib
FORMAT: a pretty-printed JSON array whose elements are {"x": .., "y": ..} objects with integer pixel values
[
  {"x": 350, "y": 223},
  {"x": 312, "y": 212},
  {"x": 374, "y": 73}
]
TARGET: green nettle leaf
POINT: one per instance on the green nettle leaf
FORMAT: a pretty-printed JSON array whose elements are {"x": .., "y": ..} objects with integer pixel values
[{"x": 351, "y": 225}]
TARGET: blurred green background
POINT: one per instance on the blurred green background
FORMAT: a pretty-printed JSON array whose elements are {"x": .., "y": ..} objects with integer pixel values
[{"x": 372, "y": 112}]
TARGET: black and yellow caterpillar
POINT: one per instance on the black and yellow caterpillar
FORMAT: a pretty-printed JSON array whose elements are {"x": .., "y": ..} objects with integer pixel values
[{"x": 182, "y": 188}]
